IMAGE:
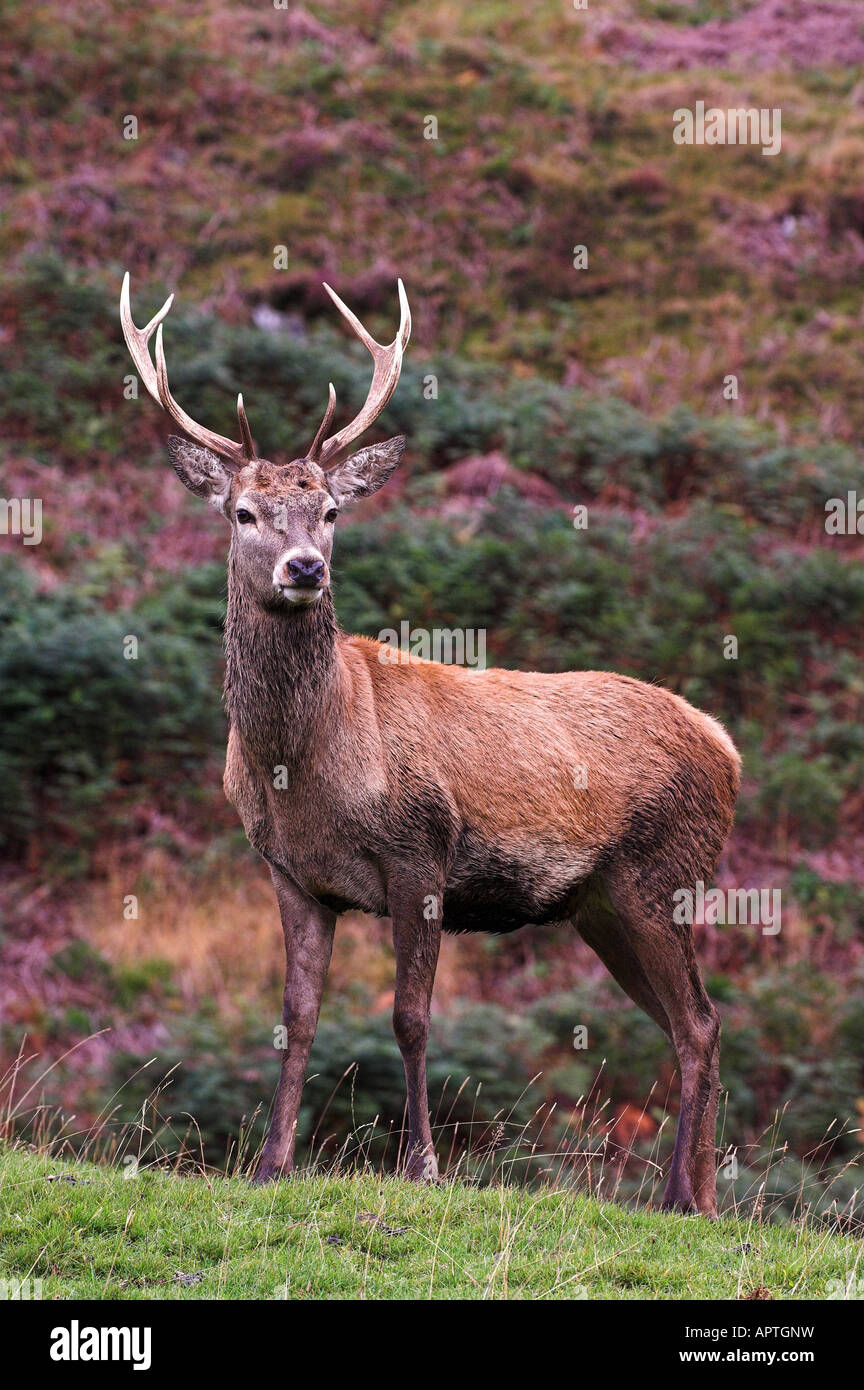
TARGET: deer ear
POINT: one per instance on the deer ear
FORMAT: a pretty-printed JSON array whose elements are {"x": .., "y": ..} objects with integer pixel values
[
  {"x": 201, "y": 471},
  {"x": 364, "y": 472}
]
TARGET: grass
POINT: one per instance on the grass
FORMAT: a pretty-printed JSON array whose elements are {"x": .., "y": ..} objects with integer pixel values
[{"x": 91, "y": 1232}]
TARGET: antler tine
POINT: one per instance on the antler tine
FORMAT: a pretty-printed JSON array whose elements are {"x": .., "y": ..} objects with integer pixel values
[
  {"x": 156, "y": 382},
  {"x": 388, "y": 365},
  {"x": 324, "y": 426},
  {"x": 237, "y": 454},
  {"x": 248, "y": 444},
  {"x": 138, "y": 338}
]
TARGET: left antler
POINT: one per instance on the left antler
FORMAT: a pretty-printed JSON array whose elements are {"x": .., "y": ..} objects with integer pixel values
[{"x": 156, "y": 381}]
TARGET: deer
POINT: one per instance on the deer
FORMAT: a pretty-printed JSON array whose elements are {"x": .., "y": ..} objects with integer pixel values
[{"x": 441, "y": 797}]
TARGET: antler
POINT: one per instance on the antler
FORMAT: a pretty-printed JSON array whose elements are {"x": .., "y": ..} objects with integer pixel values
[
  {"x": 388, "y": 365},
  {"x": 156, "y": 381}
]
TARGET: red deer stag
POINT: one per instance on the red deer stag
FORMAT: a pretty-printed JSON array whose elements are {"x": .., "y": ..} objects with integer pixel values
[{"x": 443, "y": 798}]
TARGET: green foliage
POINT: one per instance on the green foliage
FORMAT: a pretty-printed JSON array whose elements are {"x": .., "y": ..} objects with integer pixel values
[
  {"x": 835, "y": 906},
  {"x": 81, "y": 723},
  {"x": 67, "y": 361},
  {"x": 81, "y": 726},
  {"x": 791, "y": 1061},
  {"x": 802, "y": 797},
  {"x": 64, "y": 360},
  {"x": 478, "y": 1060},
  {"x": 78, "y": 961},
  {"x": 693, "y": 12}
]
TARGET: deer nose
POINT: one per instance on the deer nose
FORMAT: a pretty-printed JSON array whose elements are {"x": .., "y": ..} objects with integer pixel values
[{"x": 306, "y": 571}]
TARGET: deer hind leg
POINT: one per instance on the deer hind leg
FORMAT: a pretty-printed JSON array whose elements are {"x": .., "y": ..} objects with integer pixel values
[
  {"x": 416, "y": 941},
  {"x": 602, "y": 929},
  {"x": 661, "y": 973}
]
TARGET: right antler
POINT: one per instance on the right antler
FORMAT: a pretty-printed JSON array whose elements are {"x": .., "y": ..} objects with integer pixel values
[
  {"x": 388, "y": 365},
  {"x": 156, "y": 381}
]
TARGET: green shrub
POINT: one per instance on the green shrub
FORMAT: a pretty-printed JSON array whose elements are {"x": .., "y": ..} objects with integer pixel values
[
  {"x": 68, "y": 357},
  {"x": 355, "y": 1078},
  {"x": 80, "y": 724},
  {"x": 801, "y": 798}
]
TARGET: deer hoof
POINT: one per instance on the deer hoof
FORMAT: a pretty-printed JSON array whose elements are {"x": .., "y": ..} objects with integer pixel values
[
  {"x": 266, "y": 1172},
  {"x": 422, "y": 1167}
]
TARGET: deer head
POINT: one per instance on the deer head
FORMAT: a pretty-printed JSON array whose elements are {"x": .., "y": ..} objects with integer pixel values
[{"x": 281, "y": 516}]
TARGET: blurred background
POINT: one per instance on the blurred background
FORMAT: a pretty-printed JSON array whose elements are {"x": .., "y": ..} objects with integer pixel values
[{"x": 530, "y": 386}]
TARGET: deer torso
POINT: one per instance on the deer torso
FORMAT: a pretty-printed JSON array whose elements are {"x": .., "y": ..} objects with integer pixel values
[{"x": 505, "y": 789}]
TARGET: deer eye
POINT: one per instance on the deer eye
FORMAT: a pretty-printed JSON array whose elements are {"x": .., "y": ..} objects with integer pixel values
[
  {"x": 243, "y": 516},
  {"x": 332, "y": 514}
]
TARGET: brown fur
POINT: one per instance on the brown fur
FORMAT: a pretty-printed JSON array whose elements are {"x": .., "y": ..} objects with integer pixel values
[{"x": 415, "y": 783}]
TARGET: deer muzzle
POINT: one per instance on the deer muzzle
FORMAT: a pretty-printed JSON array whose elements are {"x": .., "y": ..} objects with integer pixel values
[{"x": 301, "y": 576}]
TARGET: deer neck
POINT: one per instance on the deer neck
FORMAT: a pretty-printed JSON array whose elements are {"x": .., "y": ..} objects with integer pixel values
[{"x": 282, "y": 673}]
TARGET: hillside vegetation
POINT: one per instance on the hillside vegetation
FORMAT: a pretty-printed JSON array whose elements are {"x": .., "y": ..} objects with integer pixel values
[{"x": 530, "y": 388}]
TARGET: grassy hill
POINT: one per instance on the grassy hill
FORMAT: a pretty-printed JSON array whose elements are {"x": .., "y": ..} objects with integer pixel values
[{"x": 93, "y": 1232}]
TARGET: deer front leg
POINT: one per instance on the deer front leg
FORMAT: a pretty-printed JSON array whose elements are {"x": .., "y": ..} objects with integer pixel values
[
  {"x": 308, "y": 929},
  {"x": 416, "y": 921}
]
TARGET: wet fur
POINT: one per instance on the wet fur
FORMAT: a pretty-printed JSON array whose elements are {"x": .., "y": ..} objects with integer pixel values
[
  {"x": 472, "y": 772},
  {"x": 415, "y": 782}
]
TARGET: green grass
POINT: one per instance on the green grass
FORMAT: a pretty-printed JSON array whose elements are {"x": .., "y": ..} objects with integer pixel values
[{"x": 91, "y": 1232}]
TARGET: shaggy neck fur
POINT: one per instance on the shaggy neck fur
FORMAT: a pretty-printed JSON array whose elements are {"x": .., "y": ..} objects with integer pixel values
[{"x": 282, "y": 669}]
